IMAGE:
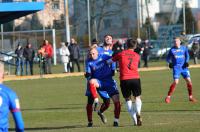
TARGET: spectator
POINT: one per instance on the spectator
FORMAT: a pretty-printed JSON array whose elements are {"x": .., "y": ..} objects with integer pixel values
[
  {"x": 195, "y": 50},
  {"x": 95, "y": 42},
  {"x": 146, "y": 53},
  {"x": 69, "y": 64},
  {"x": 42, "y": 60},
  {"x": 29, "y": 55},
  {"x": 20, "y": 60},
  {"x": 139, "y": 50},
  {"x": 64, "y": 53},
  {"x": 118, "y": 47},
  {"x": 49, "y": 54},
  {"x": 74, "y": 54},
  {"x": 9, "y": 102}
]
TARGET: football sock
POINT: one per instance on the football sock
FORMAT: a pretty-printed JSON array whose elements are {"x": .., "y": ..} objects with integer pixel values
[
  {"x": 93, "y": 90},
  {"x": 189, "y": 86},
  {"x": 138, "y": 105},
  {"x": 171, "y": 89},
  {"x": 117, "y": 109},
  {"x": 131, "y": 110},
  {"x": 116, "y": 120},
  {"x": 104, "y": 106},
  {"x": 89, "y": 112}
]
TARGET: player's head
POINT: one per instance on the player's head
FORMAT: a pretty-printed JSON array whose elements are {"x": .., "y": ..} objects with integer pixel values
[
  {"x": 108, "y": 39},
  {"x": 177, "y": 42},
  {"x": 93, "y": 53},
  {"x": 131, "y": 44}
]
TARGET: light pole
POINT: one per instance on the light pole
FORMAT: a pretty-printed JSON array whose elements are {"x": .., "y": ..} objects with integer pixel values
[
  {"x": 184, "y": 22},
  {"x": 138, "y": 19},
  {"x": 89, "y": 30},
  {"x": 67, "y": 28},
  {"x": 2, "y": 37}
]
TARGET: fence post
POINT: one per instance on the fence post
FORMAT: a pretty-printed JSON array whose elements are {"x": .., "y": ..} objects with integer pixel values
[{"x": 54, "y": 46}]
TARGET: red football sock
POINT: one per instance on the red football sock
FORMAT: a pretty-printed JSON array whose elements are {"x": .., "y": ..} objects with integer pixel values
[
  {"x": 93, "y": 91},
  {"x": 117, "y": 110},
  {"x": 171, "y": 89},
  {"x": 89, "y": 112},
  {"x": 105, "y": 106},
  {"x": 189, "y": 86}
]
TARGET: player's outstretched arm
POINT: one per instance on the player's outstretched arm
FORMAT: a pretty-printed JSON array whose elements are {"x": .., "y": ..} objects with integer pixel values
[{"x": 19, "y": 124}]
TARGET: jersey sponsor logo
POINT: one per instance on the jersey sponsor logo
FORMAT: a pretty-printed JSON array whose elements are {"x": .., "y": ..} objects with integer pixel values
[
  {"x": 17, "y": 103},
  {"x": 179, "y": 56},
  {"x": 1, "y": 101}
]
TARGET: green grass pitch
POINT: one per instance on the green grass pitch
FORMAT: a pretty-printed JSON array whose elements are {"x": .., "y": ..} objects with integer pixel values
[{"x": 58, "y": 105}]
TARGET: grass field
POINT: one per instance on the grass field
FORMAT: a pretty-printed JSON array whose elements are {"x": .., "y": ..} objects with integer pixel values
[{"x": 58, "y": 105}]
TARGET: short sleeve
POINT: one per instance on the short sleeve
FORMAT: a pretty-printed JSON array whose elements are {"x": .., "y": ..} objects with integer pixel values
[{"x": 14, "y": 104}]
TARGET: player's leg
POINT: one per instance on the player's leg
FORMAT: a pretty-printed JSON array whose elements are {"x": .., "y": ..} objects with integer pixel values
[
  {"x": 106, "y": 100},
  {"x": 138, "y": 107},
  {"x": 111, "y": 87},
  {"x": 176, "y": 76},
  {"x": 126, "y": 92},
  {"x": 186, "y": 76},
  {"x": 135, "y": 86},
  {"x": 117, "y": 109},
  {"x": 93, "y": 85},
  {"x": 104, "y": 107},
  {"x": 89, "y": 110}
]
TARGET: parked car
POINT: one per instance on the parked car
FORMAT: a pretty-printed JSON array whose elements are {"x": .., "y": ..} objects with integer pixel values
[
  {"x": 193, "y": 38},
  {"x": 158, "y": 51}
]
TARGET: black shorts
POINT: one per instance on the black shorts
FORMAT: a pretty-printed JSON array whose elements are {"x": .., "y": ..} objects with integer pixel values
[{"x": 131, "y": 86}]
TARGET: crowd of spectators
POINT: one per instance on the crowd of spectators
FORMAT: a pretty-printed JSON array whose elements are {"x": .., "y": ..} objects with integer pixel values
[{"x": 70, "y": 54}]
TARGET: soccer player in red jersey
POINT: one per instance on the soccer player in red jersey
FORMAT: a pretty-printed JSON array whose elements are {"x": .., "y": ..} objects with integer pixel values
[{"x": 130, "y": 80}]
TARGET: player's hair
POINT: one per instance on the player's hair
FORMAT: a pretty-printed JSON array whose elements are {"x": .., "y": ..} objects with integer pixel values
[
  {"x": 108, "y": 35},
  {"x": 92, "y": 47},
  {"x": 131, "y": 44}
]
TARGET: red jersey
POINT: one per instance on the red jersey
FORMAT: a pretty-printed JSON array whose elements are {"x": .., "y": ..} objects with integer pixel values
[
  {"x": 128, "y": 64},
  {"x": 49, "y": 50}
]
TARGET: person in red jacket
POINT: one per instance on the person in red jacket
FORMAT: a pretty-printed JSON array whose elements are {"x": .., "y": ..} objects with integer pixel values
[
  {"x": 48, "y": 49},
  {"x": 130, "y": 80}
]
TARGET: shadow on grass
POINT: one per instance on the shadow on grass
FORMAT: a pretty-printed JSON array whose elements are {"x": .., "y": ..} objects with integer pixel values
[
  {"x": 51, "y": 128},
  {"x": 53, "y": 108}
]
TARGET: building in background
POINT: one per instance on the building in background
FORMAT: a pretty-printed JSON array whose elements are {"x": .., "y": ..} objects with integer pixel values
[{"x": 117, "y": 17}]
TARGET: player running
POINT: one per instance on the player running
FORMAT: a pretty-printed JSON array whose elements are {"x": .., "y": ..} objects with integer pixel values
[
  {"x": 9, "y": 102},
  {"x": 130, "y": 80},
  {"x": 178, "y": 58}
]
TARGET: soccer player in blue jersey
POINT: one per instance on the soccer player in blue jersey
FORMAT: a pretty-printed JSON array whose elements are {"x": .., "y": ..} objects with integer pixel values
[
  {"x": 9, "y": 102},
  {"x": 178, "y": 58},
  {"x": 103, "y": 94},
  {"x": 101, "y": 79}
]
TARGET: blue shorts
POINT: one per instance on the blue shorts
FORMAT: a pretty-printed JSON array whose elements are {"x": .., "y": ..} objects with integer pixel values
[
  {"x": 108, "y": 85},
  {"x": 181, "y": 71}
]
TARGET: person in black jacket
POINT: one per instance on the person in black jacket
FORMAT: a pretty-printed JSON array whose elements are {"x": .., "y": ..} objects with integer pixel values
[
  {"x": 29, "y": 55},
  {"x": 146, "y": 53},
  {"x": 118, "y": 47},
  {"x": 74, "y": 54},
  {"x": 20, "y": 60}
]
